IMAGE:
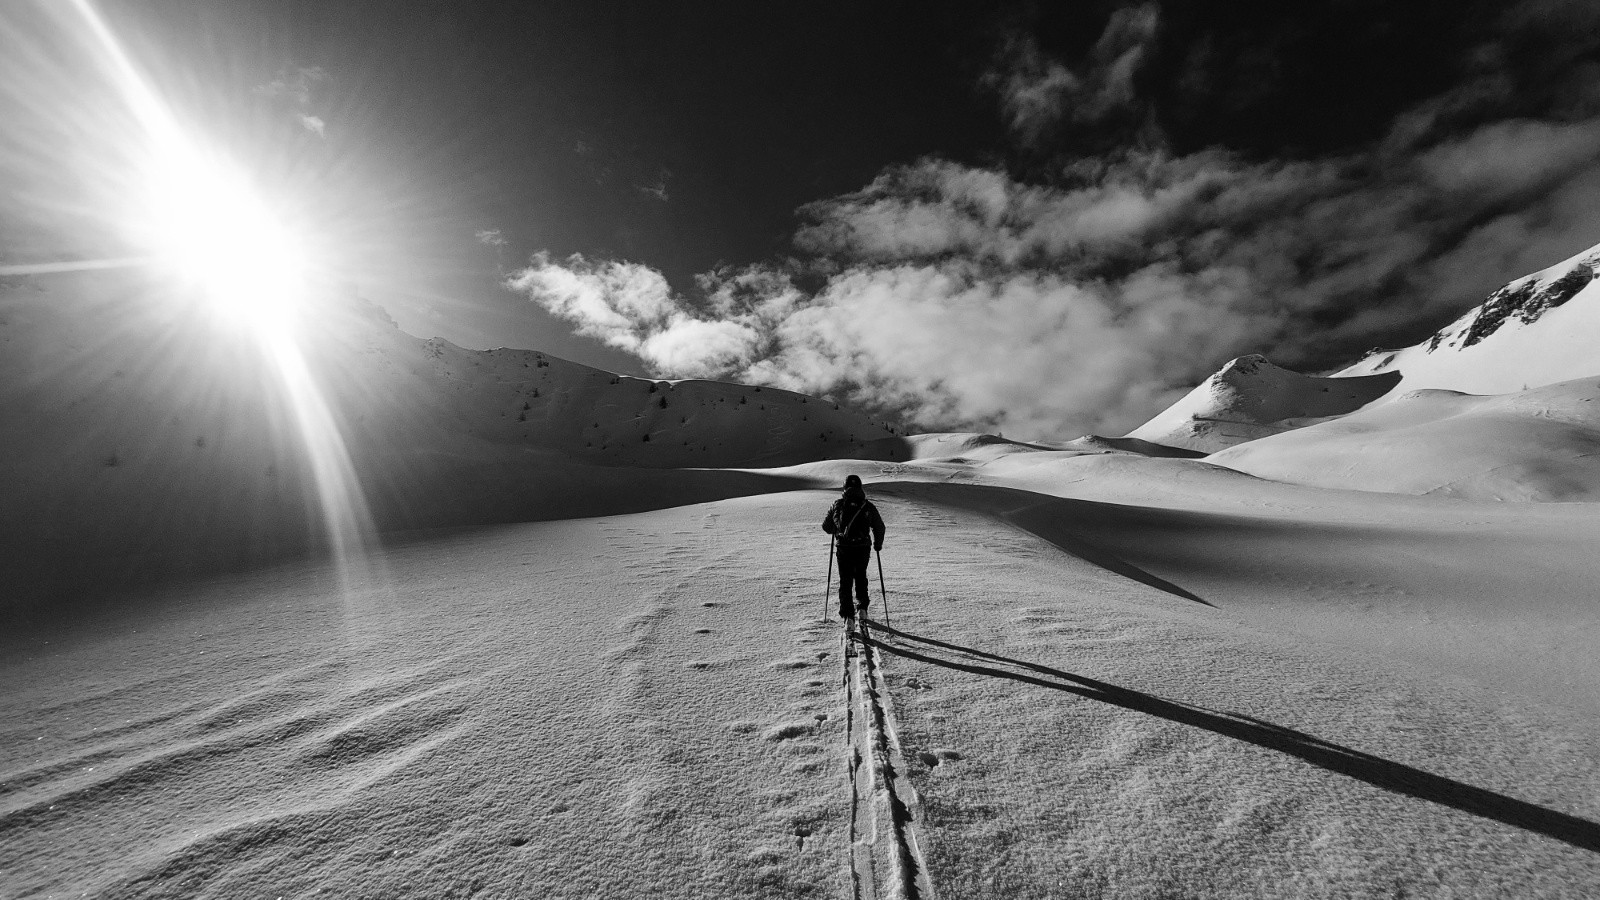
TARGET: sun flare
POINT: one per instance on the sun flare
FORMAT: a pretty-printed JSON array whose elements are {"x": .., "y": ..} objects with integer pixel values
[
  {"x": 203, "y": 220},
  {"x": 218, "y": 236}
]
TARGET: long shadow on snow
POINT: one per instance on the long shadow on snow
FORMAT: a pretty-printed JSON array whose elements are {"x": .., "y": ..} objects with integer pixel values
[
  {"x": 1374, "y": 770},
  {"x": 1042, "y": 516}
]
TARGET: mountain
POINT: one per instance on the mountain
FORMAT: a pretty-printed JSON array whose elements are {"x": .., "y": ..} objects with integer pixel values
[
  {"x": 143, "y": 434},
  {"x": 1539, "y": 329},
  {"x": 1540, "y": 444},
  {"x": 1250, "y": 398}
]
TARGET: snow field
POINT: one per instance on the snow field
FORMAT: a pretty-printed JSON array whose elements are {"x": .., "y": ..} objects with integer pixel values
[
  {"x": 1237, "y": 689},
  {"x": 514, "y": 715},
  {"x": 1088, "y": 736}
]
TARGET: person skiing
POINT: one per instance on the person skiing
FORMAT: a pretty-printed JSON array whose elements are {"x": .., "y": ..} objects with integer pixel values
[{"x": 855, "y": 522}]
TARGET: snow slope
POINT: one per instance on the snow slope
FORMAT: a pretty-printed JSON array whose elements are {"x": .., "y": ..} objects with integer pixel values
[
  {"x": 1539, "y": 444},
  {"x": 1249, "y": 398},
  {"x": 1290, "y": 692},
  {"x": 1537, "y": 330},
  {"x": 142, "y": 439}
]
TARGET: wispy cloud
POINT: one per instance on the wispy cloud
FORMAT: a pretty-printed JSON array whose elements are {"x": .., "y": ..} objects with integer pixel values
[
  {"x": 1037, "y": 92},
  {"x": 295, "y": 87},
  {"x": 657, "y": 186}
]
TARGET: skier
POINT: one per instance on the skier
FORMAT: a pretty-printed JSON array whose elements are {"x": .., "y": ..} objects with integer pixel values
[{"x": 859, "y": 529}]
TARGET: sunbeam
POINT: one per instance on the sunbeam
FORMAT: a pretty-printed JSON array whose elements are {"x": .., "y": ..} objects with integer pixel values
[{"x": 211, "y": 232}]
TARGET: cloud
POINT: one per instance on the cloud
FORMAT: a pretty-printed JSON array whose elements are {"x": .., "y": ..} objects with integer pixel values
[
  {"x": 962, "y": 297},
  {"x": 631, "y": 307},
  {"x": 295, "y": 87},
  {"x": 656, "y": 187},
  {"x": 1038, "y": 92},
  {"x": 491, "y": 236},
  {"x": 1090, "y": 294}
]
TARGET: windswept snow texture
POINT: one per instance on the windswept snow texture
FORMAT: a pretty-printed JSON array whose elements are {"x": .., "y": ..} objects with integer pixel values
[
  {"x": 1539, "y": 444},
  {"x": 1537, "y": 330},
  {"x": 617, "y": 708},
  {"x": 1250, "y": 398}
]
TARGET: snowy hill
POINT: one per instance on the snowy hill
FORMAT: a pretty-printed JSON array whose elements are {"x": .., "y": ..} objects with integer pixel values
[
  {"x": 1539, "y": 444},
  {"x": 139, "y": 430},
  {"x": 1250, "y": 398},
  {"x": 1540, "y": 329}
]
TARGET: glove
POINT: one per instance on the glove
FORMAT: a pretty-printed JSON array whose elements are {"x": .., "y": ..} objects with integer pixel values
[{"x": 878, "y": 546}]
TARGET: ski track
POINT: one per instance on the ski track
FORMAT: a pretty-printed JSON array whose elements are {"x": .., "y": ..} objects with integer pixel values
[{"x": 886, "y": 856}]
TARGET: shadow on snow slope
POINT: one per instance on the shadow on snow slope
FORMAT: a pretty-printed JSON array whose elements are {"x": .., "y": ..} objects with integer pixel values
[
  {"x": 1045, "y": 517},
  {"x": 1374, "y": 770}
]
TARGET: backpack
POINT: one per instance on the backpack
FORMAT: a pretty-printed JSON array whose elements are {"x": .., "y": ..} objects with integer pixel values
[{"x": 852, "y": 522}]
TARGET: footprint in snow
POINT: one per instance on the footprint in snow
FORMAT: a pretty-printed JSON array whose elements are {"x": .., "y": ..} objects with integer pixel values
[
  {"x": 787, "y": 731},
  {"x": 790, "y": 663},
  {"x": 933, "y": 758}
]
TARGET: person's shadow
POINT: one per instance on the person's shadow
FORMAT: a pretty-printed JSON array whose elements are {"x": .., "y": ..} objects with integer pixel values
[{"x": 1376, "y": 771}]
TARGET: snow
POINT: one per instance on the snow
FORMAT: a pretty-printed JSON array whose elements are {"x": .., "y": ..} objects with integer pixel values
[
  {"x": 1250, "y": 398},
  {"x": 161, "y": 445},
  {"x": 510, "y": 713},
  {"x": 1535, "y": 331},
  {"x": 1539, "y": 444},
  {"x": 1323, "y": 663},
  {"x": 1378, "y": 694},
  {"x": 1496, "y": 349}
]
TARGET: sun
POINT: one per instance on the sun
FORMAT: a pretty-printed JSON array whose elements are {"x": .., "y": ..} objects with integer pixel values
[
  {"x": 216, "y": 234},
  {"x": 196, "y": 212}
]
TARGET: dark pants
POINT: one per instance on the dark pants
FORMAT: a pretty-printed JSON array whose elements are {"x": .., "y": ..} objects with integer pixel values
[{"x": 853, "y": 575}]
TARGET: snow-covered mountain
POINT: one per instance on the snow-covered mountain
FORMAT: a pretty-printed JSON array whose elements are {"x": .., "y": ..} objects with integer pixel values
[
  {"x": 1250, "y": 398},
  {"x": 1540, "y": 444},
  {"x": 136, "y": 429},
  {"x": 1538, "y": 330}
]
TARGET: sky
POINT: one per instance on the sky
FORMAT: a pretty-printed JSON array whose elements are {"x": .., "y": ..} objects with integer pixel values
[{"x": 1040, "y": 219}]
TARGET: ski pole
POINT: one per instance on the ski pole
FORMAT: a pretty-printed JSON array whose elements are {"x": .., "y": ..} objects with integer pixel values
[
  {"x": 828, "y": 588},
  {"x": 881, "y": 589}
]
